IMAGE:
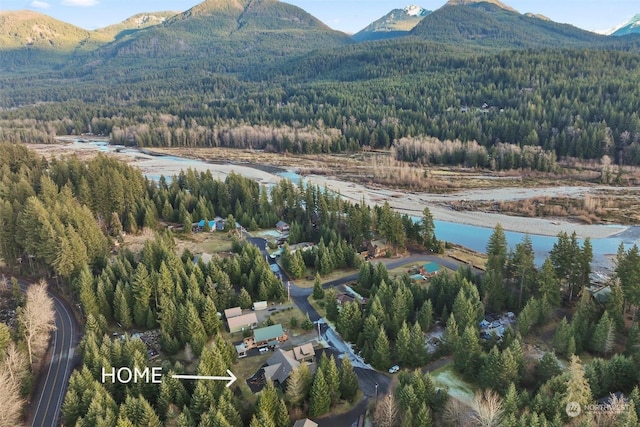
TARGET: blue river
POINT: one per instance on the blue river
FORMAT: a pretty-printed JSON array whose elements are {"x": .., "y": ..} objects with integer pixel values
[{"x": 470, "y": 236}]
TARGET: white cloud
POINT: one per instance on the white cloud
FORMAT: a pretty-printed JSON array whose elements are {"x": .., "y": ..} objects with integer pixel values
[
  {"x": 81, "y": 3},
  {"x": 40, "y": 4}
]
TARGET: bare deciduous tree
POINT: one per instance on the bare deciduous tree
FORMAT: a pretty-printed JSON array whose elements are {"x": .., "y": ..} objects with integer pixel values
[
  {"x": 11, "y": 407},
  {"x": 456, "y": 414},
  {"x": 609, "y": 413},
  {"x": 386, "y": 414},
  {"x": 14, "y": 363},
  {"x": 37, "y": 318},
  {"x": 12, "y": 371},
  {"x": 488, "y": 409}
]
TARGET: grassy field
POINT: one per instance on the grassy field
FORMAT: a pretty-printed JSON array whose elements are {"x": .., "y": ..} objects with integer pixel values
[
  {"x": 247, "y": 366},
  {"x": 284, "y": 318},
  {"x": 209, "y": 242},
  {"x": 310, "y": 274},
  {"x": 458, "y": 387},
  {"x": 474, "y": 258}
]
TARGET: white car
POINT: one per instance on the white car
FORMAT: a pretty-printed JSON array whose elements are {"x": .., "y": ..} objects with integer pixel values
[
  {"x": 264, "y": 349},
  {"x": 394, "y": 369}
]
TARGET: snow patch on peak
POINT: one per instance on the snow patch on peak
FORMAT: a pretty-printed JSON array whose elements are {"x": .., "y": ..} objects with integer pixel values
[{"x": 415, "y": 10}]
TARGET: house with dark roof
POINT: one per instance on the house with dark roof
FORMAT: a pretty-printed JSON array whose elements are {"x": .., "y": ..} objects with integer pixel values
[
  {"x": 279, "y": 367},
  {"x": 600, "y": 293},
  {"x": 283, "y": 362},
  {"x": 377, "y": 248},
  {"x": 282, "y": 226}
]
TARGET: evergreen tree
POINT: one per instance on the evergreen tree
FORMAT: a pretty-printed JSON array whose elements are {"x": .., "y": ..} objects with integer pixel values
[
  {"x": 403, "y": 346},
  {"x": 577, "y": 386},
  {"x": 548, "y": 283},
  {"x": 603, "y": 337},
  {"x": 467, "y": 357},
  {"x": 423, "y": 417},
  {"x": 451, "y": 335},
  {"x": 348, "y": 380},
  {"x": 320, "y": 397},
  {"x": 331, "y": 305},
  {"x": 298, "y": 385},
  {"x": 425, "y": 316},
  {"x": 562, "y": 337},
  {"x": 244, "y": 299},
  {"x": 121, "y": 310},
  {"x": 417, "y": 345},
  {"x": 497, "y": 251},
  {"x": 381, "y": 358},
  {"x": 350, "y": 321},
  {"x": 318, "y": 292},
  {"x": 332, "y": 377}
]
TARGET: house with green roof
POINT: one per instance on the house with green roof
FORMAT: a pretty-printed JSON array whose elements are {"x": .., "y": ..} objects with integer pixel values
[
  {"x": 430, "y": 269},
  {"x": 268, "y": 336}
]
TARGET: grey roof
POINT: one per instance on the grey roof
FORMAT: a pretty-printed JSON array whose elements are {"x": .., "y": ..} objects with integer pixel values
[{"x": 280, "y": 366}]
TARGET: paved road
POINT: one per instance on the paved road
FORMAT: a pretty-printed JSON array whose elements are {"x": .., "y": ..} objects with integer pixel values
[{"x": 52, "y": 384}]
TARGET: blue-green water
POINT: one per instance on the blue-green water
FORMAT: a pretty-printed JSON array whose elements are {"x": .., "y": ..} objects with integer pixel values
[{"x": 470, "y": 236}]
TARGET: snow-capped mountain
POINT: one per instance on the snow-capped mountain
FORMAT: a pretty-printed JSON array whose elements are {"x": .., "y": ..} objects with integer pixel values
[
  {"x": 396, "y": 23},
  {"x": 415, "y": 10},
  {"x": 632, "y": 26}
]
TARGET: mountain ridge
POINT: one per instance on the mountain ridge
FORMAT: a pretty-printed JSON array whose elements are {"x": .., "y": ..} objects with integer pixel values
[
  {"x": 396, "y": 23},
  {"x": 491, "y": 25}
]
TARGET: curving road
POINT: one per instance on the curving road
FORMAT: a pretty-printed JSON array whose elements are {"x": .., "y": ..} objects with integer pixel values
[{"x": 52, "y": 382}]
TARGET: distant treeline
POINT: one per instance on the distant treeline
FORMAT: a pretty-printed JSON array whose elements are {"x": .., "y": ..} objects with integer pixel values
[{"x": 572, "y": 102}]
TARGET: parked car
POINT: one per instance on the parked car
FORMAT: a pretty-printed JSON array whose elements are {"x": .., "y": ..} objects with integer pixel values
[{"x": 394, "y": 369}]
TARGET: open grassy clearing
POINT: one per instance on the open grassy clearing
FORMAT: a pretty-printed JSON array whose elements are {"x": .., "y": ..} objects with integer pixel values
[
  {"x": 247, "y": 366},
  {"x": 379, "y": 168},
  {"x": 619, "y": 207},
  {"x": 209, "y": 242},
  {"x": 467, "y": 256},
  {"x": 458, "y": 387},
  {"x": 310, "y": 277},
  {"x": 284, "y": 317}
]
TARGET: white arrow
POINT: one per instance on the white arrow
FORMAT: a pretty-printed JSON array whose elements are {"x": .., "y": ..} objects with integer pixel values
[{"x": 232, "y": 378}]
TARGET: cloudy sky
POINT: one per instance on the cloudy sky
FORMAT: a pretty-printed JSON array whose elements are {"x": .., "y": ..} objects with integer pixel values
[{"x": 344, "y": 15}]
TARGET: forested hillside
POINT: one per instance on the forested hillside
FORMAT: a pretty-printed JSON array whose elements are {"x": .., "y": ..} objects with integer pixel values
[
  {"x": 298, "y": 86},
  {"x": 580, "y": 103}
]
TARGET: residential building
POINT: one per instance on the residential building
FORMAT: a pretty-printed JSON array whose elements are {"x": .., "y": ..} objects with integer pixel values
[
  {"x": 283, "y": 362},
  {"x": 429, "y": 269},
  {"x": 377, "y": 248},
  {"x": 269, "y": 336},
  {"x": 232, "y": 312},
  {"x": 304, "y": 353},
  {"x": 282, "y": 227},
  {"x": 243, "y": 322}
]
